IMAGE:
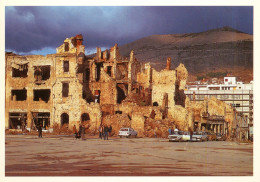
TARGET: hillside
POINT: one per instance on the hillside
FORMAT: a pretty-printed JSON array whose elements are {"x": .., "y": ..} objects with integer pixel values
[{"x": 224, "y": 49}]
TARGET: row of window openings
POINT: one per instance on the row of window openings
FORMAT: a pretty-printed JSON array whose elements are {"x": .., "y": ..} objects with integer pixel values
[
  {"x": 40, "y": 72},
  {"x": 38, "y": 95}
]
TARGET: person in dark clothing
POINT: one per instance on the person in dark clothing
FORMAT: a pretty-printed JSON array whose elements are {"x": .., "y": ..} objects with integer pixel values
[
  {"x": 106, "y": 129},
  {"x": 40, "y": 130},
  {"x": 76, "y": 133},
  {"x": 79, "y": 132},
  {"x": 110, "y": 130},
  {"x": 191, "y": 133}
]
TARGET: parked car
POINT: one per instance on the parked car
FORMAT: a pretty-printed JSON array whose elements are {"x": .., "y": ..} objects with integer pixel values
[
  {"x": 200, "y": 136},
  {"x": 179, "y": 136},
  {"x": 127, "y": 132},
  {"x": 212, "y": 136},
  {"x": 221, "y": 137}
]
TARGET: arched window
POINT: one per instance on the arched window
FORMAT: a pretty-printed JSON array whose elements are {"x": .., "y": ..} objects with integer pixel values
[{"x": 64, "y": 119}]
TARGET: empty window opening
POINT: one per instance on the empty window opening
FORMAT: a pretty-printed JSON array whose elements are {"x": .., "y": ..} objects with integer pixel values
[
  {"x": 64, "y": 119},
  {"x": 109, "y": 70},
  {"x": 118, "y": 112},
  {"x": 98, "y": 70},
  {"x": 237, "y": 105},
  {"x": 120, "y": 93},
  {"x": 18, "y": 121},
  {"x": 85, "y": 117},
  {"x": 65, "y": 89},
  {"x": 66, "y": 66},
  {"x": 66, "y": 46},
  {"x": 97, "y": 96},
  {"x": 87, "y": 74},
  {"x": 155, "y": 104},
  {"x": 41, "y": 119},
  {"x": 22, "y": 73},
  {"x": 19, "y": 95},
  {"x": 42, "y": 73},
  {"x": 41, "y": 95}
]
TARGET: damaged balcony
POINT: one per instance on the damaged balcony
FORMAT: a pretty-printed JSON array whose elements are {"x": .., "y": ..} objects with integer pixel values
[
  {"x": 41, "y": 74},
  {"x": 20, "y": 68}
]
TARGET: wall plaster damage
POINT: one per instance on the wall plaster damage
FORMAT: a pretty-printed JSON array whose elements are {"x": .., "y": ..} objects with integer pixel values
[{"x": 69, "y": 88}]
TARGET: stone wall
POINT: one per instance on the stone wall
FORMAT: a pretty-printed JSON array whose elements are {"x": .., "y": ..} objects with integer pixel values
[{"x": 163, "y": 82}]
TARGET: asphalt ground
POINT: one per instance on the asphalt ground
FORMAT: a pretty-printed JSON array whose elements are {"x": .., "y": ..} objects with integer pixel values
[{"x": 27, "y": 155}]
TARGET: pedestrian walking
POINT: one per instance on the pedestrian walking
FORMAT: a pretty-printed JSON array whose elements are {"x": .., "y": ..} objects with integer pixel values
[
  {"x": 83, "y": 133},
  {"x": 74, "y": 130},
  {"x": 110, "y": 130},
  {"x": 106, "y": 129},
  {"x": 100, "y": 130},
  {"x": 191, "y": 133},
  {"x": 170, "y": 131},
  {"x": 40, "y": 130}
]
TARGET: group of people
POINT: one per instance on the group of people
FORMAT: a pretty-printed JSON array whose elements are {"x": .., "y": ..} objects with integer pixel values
[
  {"x": 171, "y": 131},
  {"x": 104, "y": 130},
  {"x": 81, "y": 133}
]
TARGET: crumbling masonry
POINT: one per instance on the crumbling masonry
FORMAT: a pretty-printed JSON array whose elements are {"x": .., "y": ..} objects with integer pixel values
[{"x": 71, "y": 88}]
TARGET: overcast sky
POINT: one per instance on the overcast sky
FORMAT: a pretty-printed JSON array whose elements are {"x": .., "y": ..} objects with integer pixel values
[{"x": 40, "y": 30}]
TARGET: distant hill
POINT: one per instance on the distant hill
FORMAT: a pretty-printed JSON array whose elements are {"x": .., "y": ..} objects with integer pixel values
[{"x": 223, "y": 49}]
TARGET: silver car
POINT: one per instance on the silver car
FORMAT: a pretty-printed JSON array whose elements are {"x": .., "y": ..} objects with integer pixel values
[
  {"x": 127, "y": 132},
  {"x": 199, "y": 137},
  {"x": 179, "y": 136}
]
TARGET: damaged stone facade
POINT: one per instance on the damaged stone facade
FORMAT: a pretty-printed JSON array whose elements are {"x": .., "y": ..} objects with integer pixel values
[{"x": 71, "y": 88}]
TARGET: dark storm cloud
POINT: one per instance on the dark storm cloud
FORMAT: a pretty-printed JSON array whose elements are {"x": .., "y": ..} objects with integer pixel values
[{"x": 36, "y": 28}]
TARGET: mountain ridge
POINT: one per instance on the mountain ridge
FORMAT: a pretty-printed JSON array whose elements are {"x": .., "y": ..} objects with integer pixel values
[{"x": 216, "y": 49}]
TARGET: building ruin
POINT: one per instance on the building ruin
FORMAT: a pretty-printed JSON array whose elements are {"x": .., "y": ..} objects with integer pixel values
[{"x": 71, "y": 88}]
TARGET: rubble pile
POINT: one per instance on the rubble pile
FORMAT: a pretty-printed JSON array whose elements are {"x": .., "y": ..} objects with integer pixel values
[
  {"x": 106, "y": 89},
  {"x": 182, "y": 117},
  {"x": 117, "y": 121},
  {"x": 64, "y": 130},
  {"x": 158, "y": 128}
]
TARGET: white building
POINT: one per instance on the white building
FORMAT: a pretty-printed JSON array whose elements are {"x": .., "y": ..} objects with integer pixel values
[{"x": 238, "y": 94}]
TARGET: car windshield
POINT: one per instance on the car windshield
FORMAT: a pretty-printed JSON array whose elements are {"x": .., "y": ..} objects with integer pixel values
[{"x": 124, "y": 129}]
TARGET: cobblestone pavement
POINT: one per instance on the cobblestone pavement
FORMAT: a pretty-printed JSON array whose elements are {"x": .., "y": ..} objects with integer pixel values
[{"x": 26, "y": 155}]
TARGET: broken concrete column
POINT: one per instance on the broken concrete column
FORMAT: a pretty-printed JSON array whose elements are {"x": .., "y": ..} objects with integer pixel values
[
  {"x": 130, "y": 71},
  {"x": 168, "y": 64},
  {"x": 98, "y": 52},
  {"x": 105, "y": 54}
]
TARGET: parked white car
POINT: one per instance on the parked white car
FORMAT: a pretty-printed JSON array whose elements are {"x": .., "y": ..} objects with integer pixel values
[
  {"x": 199, "y": 136},
  {"x": 127, "y": 132},
  {"x": 179, "y": 136}
]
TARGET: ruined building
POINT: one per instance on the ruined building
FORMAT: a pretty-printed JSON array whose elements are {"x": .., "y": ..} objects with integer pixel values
[{"x": 71, "y": 88}]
